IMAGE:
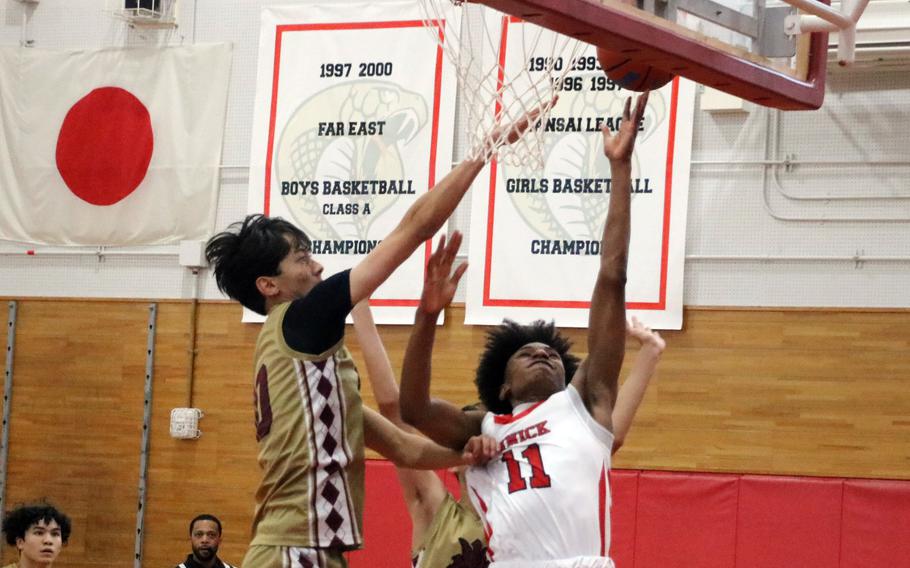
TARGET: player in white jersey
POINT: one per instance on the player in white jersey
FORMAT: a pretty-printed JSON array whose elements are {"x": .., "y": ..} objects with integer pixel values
[
  {"x": 552, "y": 454},
  {"x": 545, "y": 498}
]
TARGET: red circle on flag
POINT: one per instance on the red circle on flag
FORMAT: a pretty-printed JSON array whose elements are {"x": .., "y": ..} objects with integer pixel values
[{"x": 105, "y": 145}]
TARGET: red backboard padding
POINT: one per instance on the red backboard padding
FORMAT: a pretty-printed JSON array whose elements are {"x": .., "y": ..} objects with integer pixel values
[
  {"x": 876, "y": 528},
  {"x": 668, "y": 520},
  {"x": 624, "y": 493},
  {"x": 685, "y": 520},
  {"x": 788, "y": 521}
]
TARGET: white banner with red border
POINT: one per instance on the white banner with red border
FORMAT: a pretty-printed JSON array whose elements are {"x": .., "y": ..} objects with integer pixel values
[
  {"x": 535, "y": 233},
  {"x": 353, "y": 121}
]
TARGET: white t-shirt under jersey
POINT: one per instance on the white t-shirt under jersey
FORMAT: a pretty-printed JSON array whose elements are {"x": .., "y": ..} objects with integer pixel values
[{"x": 545, "y": 498}]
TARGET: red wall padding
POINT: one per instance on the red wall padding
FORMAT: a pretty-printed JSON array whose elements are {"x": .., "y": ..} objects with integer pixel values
[
  {"x": 693, "y": 520},
  {"x": 387, "y": 534},
  {"x": 685, "y": 520},
  {"x": 387, "y": 530},
  {"x": 876, "y": 526},
  {"x": 624, "y": 493},
  {"x": 788, "y": 521}
]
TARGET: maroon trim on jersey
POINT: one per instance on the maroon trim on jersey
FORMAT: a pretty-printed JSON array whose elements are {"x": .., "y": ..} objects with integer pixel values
[
  {"x": 262, "y": 403},
  {"x": 303, "y": 375},
  {"x": 346, "y": 450},
  {"x": 509, "y": 418},
  {"x": 602, "y": 498}
]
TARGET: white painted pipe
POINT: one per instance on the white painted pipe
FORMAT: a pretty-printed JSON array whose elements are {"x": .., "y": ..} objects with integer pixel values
[
  {"x": 823, "y": 11},
  {"x": 794, "y": 258},
  {"x": 809, "y": 24},
  {"x": 846, "y": 43},
  {"x": 100, "y": 253},
  {"x": 856, "y": 10},
  {"x": 846, "y": 46},
  {"x": 851, "y": 10}
]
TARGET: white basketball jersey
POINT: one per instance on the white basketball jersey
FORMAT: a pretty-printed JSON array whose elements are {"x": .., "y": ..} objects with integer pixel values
[{"x": 546, "y": 495}]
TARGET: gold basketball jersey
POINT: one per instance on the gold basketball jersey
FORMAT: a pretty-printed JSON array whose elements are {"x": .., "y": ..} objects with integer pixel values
[
  {"x": 309, "y": 426},
  {"x": 454, "y": 539}
]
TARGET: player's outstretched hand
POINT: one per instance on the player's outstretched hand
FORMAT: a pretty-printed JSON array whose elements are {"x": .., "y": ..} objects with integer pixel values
[
  {"x": 439, "y": 282},
  {"x": 647, "y": 338},
  {"x": 479, "y": 450},
  {"x": 618, "y": 147}
]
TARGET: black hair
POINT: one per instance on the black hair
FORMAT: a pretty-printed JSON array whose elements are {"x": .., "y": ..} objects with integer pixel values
[
  {"x": 502, "y": 342},
  {"x": 249, "y": 249},
  {"x": 205, "y": 517},
  {"x": 17, "y": 522}
]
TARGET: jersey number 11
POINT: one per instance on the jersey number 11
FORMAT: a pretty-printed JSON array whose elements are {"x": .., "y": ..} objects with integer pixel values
[{"x": 539, "y": 478}]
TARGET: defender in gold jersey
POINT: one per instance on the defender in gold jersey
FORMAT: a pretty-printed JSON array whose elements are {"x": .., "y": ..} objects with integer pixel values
[{"x": 310, "y": 424}]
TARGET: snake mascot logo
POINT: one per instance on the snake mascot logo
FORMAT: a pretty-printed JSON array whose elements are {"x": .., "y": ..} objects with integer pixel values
[
  {"x": 574, "y": 155},
  {"x": 303, "y": 154}
]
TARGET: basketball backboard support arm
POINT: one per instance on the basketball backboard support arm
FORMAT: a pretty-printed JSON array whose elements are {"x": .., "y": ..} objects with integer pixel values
[
  {"x": 843, "y": 22},
  {"x": 670, "y": 46}
]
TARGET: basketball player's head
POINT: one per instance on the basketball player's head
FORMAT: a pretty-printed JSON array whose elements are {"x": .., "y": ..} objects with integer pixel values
[
  {"x": 262, "y": 261},
  {"x": 523, "y": 363},
  {"x": 38, "y": 532}
]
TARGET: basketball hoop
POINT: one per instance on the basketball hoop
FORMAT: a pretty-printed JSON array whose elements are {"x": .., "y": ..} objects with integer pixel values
[{"x": 497, "y": 89}]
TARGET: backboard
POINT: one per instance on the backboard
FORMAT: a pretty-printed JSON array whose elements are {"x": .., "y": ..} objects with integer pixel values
[{"x": 756, "y": 60}]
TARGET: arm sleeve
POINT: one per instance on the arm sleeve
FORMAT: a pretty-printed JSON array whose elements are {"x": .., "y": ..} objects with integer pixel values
[{"x": 315, "y": 323}]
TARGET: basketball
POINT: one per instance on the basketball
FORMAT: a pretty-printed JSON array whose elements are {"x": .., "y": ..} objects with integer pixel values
[{"x": 630, "y": 74}]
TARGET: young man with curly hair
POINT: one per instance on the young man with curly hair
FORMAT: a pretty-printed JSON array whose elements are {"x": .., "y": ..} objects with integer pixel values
[
  {"x": 544, "y": 499},
  {"x": 38, "y": 532},
  {"x": 447, "y": 532}
]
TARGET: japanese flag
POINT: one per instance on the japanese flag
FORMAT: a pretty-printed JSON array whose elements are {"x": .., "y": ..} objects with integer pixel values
[{"x": 111, "y": 146}]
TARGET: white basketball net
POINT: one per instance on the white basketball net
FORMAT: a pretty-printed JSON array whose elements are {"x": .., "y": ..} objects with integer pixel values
[{"x": 498, "y": 88}]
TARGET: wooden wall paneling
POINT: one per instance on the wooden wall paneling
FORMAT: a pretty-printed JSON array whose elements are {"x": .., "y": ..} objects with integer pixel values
[
  {"x": 217, "y": 473},
  {"x": 172, "y": 472},
  {"x": 784, "y": 392},
  {"x": 790, "y": 392},
  {"x": 4, "y": 336},
  {"x": 76, "y": 421}
]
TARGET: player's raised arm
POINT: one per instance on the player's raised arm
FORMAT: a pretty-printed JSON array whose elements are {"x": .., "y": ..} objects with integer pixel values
[
  {"x": 425, "y": 217},
  {"x": 379, "y": 368},
  {"x": 440, "y": 420},
  {"x": 423, "y": 491},
  {"x": 651, "y": 347},
  {"x": 607, "y": 319}
]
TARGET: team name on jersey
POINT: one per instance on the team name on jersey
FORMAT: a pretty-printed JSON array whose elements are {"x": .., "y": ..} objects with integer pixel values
[{"x": 520, "y": 436}]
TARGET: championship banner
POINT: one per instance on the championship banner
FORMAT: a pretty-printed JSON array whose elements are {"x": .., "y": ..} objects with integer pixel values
[
  {"x": 536, "y": 233},
  {"x": 353, "y": 122}
]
